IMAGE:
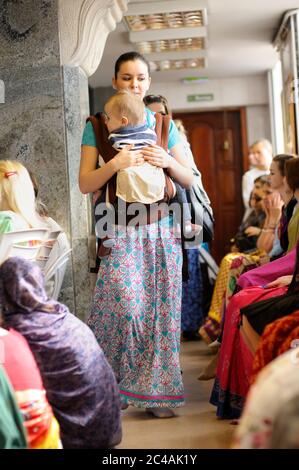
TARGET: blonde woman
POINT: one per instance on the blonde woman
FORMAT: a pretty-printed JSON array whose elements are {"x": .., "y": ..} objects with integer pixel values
[{"x": 17, "y": 199}]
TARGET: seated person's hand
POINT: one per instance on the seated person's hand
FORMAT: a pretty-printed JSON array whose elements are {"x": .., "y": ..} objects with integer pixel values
[
  {"x": 274, "y": 204},
  {"x": 253, "y": 231},
  {"x": 280, "y": 282}
]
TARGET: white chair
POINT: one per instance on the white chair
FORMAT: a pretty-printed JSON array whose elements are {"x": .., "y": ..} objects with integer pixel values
[
  {"x": 55, "y": 266},
  {"x": 10, "y": 243}
]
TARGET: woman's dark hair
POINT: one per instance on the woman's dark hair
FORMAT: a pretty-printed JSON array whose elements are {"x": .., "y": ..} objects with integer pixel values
[
  {"x": 292, "y": 173},
  {"x": 281, "y": 160},
  {"x": 150, "y": 99},
  {"x": 130, "y": 56}
]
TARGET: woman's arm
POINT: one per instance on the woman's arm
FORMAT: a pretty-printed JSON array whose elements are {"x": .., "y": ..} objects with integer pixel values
[
  {"x": 92, "y": 178},
  {"x": 266, "y": 240},
  {"x": 273, "y": 206},
  {"x": 179, "y": 168}
]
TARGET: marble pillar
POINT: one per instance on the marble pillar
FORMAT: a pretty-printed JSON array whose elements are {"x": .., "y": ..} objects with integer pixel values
[
  {"x": 43, "y": 106},
  {"x": 32, "y": 116}
]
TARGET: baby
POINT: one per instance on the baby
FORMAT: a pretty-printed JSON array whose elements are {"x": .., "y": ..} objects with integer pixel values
[
  {"x": 126, "y": 123},
  {"x": 125, "y": 120}
]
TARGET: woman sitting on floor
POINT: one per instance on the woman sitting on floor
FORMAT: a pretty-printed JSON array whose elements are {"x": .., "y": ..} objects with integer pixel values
[{"x": 79, "y": 382}]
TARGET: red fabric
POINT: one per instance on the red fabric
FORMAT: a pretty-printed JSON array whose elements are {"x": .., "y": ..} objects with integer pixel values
[
  {"x": 19, "y": 363},
  {"x": 24, "y": 375},
  {"x": 235, "y": 361},
  {"x": 276, "y": 340}
]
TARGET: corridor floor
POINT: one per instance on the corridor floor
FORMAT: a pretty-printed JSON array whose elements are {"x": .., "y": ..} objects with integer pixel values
[{"x": 195, "y": 425}]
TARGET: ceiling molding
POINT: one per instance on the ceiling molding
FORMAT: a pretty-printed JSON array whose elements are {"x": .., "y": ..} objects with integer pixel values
[
  {"x": 83, "y": 29},
  {"x": 179, "y": 33},
  {"x": 169, "y": 6},
  {"x": 179, "y": 55},
  {"x": 279, "y": 36}
]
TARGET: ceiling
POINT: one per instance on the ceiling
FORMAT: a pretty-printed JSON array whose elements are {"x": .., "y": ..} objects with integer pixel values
[{"x": 239, "y": 41}]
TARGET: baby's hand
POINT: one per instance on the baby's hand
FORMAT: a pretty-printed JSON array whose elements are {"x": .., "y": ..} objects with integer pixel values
[{"x": 127, "y": 158}]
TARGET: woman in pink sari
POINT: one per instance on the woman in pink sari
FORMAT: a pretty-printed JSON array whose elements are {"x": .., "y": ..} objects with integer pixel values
[{"x": 235, "y": 360}]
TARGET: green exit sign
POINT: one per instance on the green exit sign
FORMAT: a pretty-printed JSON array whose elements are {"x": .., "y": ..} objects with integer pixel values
[{"x": 201, "y": 97}]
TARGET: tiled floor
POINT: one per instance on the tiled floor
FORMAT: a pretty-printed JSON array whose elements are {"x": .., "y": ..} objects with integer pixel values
[{"x": 194, "y": 427}]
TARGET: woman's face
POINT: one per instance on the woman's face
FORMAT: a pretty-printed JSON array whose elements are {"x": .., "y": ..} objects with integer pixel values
[
  {"x": 258, "y": 189},
  {"x": 133, "y": 76},
  {"x": 261, "y": 155},
  {"x": 254, "y": 198},
  {"x": 275, "y": 177},
  {"x": 157, "y": 108}
]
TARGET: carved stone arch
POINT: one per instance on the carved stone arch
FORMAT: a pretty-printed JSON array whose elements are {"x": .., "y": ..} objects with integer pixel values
[{"x": 84, "y": 26}]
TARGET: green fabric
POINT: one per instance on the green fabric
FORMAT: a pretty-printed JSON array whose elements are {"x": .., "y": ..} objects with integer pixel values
[
  {"x": 12, "y": 433},
  {"x": 6, "y": 223},
  {"x": 293, "y": 229},
  {"x": 88, "y": 137}
]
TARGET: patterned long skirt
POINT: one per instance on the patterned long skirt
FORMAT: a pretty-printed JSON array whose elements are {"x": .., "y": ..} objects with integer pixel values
[{"x": 136, "y": 314}]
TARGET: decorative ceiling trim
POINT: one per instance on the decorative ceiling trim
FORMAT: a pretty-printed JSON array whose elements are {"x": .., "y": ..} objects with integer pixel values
[
  {"x": 169, "y": 6},
  {"x": 84, "y": 26},
  {"x": 179, "y": 55},
  {"x": 167, "y": 65},
  {"x": 181, "y": 33}
]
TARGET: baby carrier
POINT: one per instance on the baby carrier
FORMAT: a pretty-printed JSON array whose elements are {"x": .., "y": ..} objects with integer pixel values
[{"x": 108, "y": 192}]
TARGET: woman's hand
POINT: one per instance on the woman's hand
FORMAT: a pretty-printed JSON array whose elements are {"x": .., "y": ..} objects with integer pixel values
[
  {"x": 253, "y": 231},
  {"x": 126, "y": 158},
  {"x": 157, "y": 156},
  {"x": 280, "y": 282},
  {"x": 274, "y": 204}
]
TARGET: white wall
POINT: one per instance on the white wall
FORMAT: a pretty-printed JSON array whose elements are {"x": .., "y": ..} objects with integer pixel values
[
  {"x": 228, "y": 92},
  {"x": 251, "y": 92},
  {"x": 258, "y": 123}
]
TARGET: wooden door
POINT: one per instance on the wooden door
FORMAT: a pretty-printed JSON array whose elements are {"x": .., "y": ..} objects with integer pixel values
[{"x": 218, "y": 142}]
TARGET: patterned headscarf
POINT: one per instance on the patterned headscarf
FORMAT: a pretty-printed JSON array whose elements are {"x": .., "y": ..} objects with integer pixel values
[{"x": 22, "y": 288}]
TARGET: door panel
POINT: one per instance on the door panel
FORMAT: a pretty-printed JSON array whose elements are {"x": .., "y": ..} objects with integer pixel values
[{"x": 216, "y": 142}]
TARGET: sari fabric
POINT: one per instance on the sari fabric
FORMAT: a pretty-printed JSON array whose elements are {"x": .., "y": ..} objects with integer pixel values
[
  {"x": 262, "y": 275},
  {"x": 12, "y": 432},
  {"x": 23, "y": 373},
  {"x": 278, "y": 337},
  {"x": 234, "y": 367},
  {"x": 231, "y": 267},
  {"x": 79, "y": 382}
]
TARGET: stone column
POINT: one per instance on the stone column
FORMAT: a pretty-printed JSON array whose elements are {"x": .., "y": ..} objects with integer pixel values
[{"x": 48, "y": 48}]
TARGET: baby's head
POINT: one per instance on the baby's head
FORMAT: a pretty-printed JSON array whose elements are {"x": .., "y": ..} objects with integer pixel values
[{"x": 124, "y": 109}]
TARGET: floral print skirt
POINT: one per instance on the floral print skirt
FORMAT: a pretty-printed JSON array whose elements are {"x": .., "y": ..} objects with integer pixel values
[{"x": 136, "y": 314}]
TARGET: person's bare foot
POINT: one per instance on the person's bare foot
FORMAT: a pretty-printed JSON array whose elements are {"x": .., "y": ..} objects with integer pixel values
[
  {"x": 209, "y": 372},
  {"x": 161, "y": 412},
  {"x": 202, "y": 332}
]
